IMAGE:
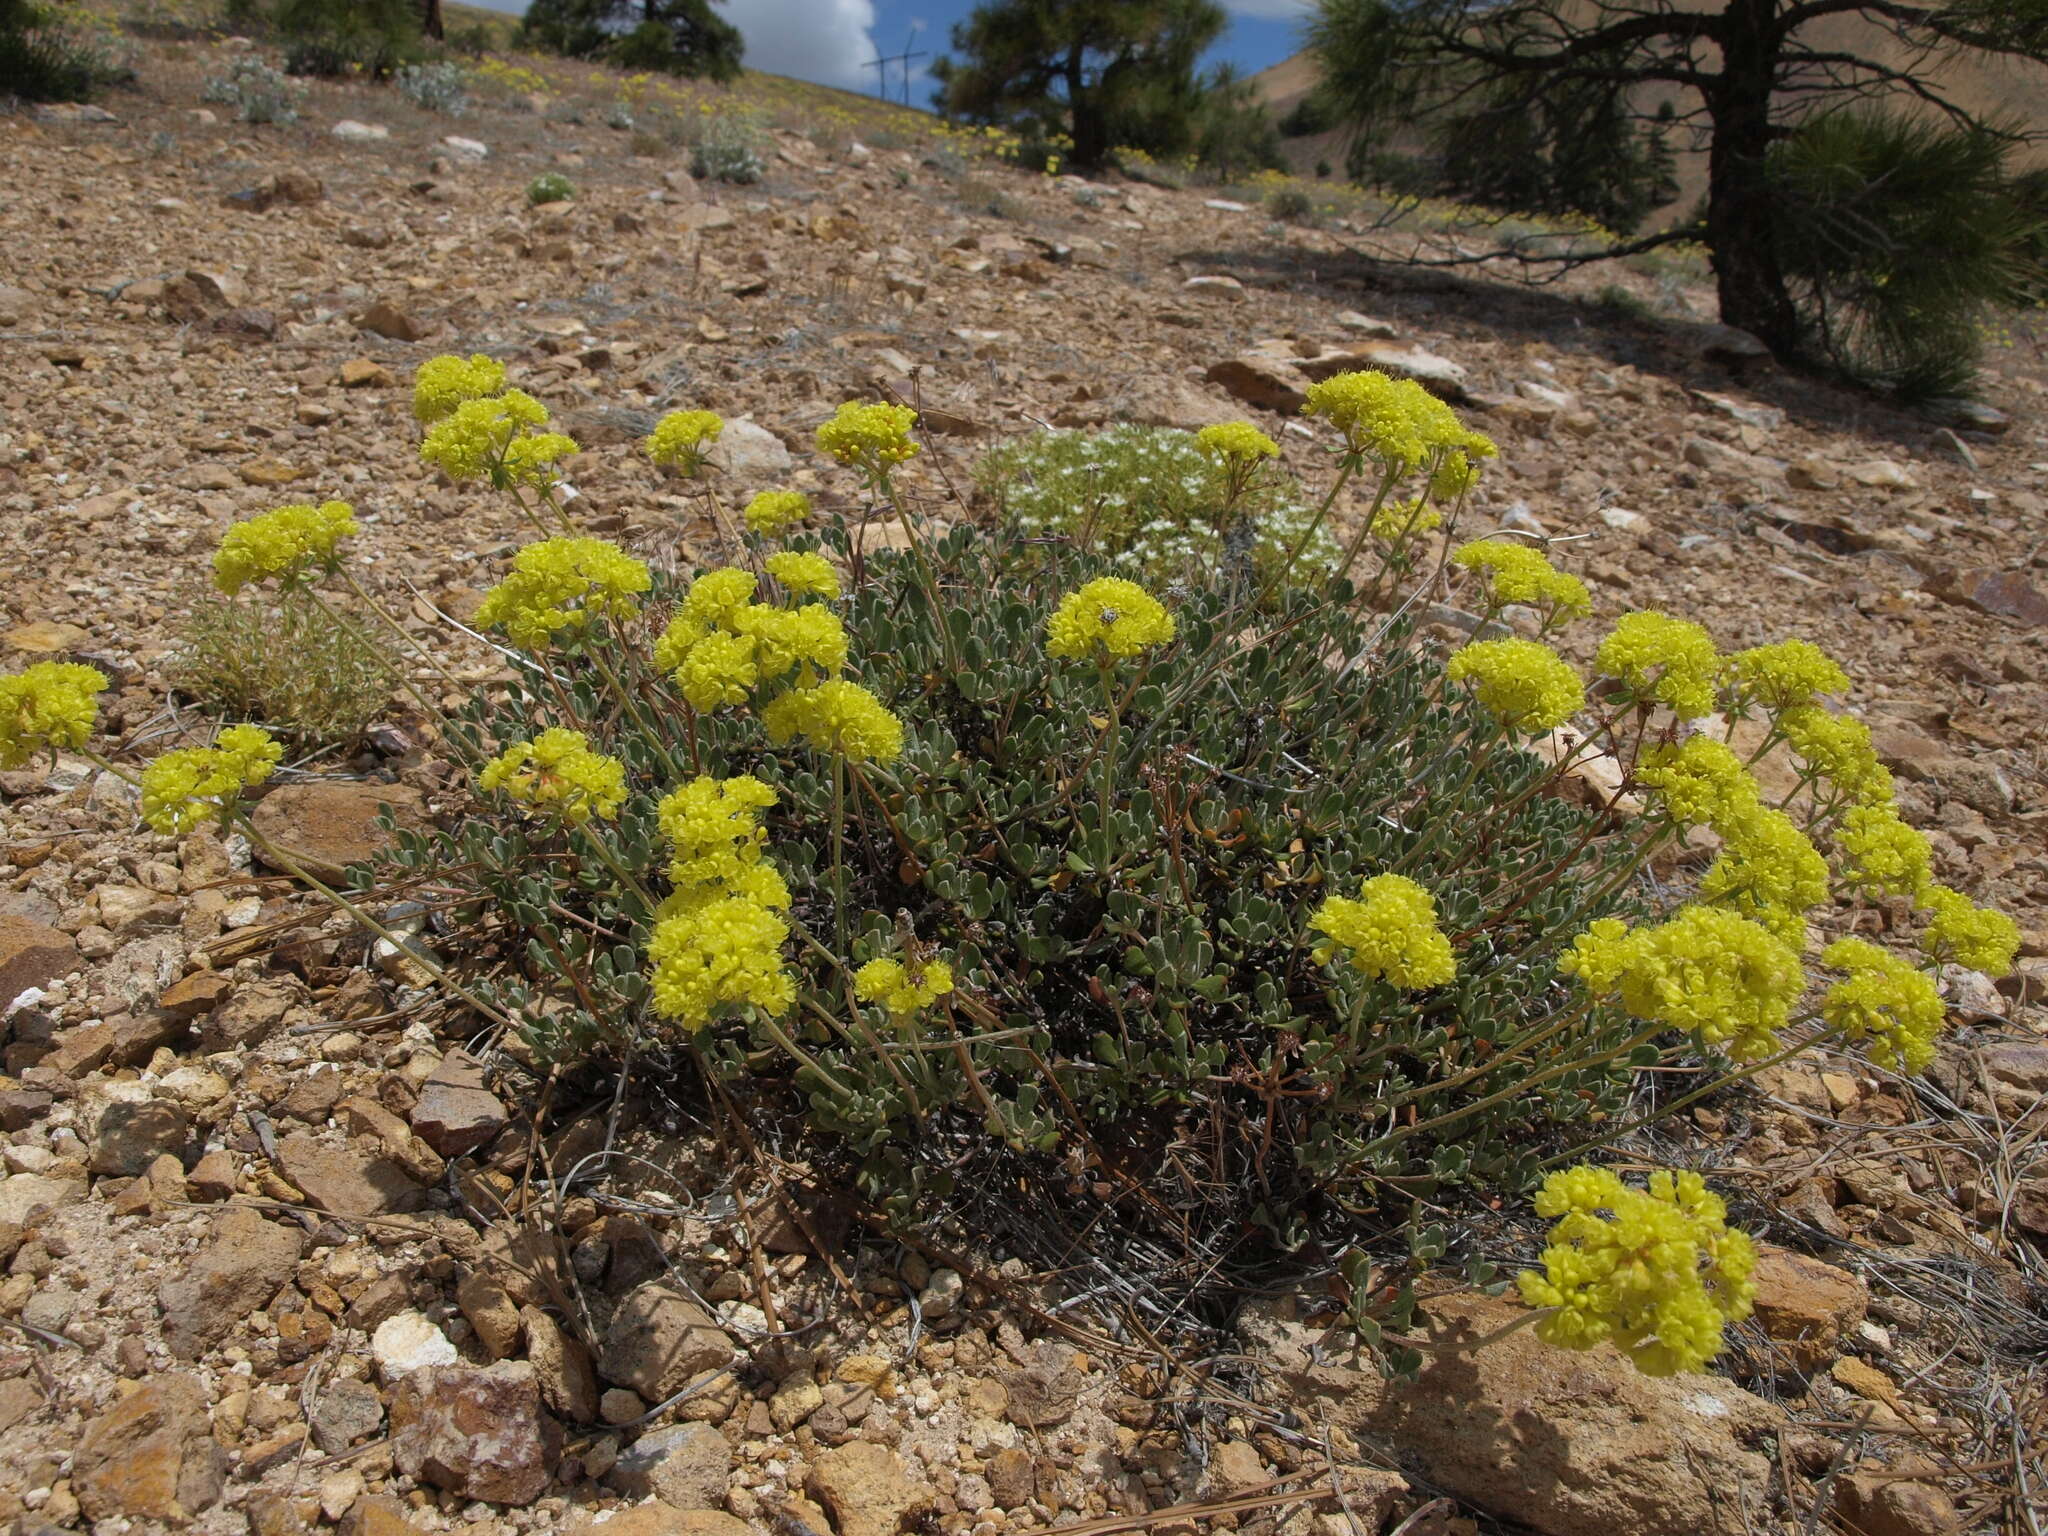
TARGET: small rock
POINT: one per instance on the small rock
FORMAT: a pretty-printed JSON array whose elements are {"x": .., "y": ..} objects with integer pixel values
[
  {"x": 469, "y": 149},
  {"x": 365, "y": 373},
  {"x": 479, "y": 1433},
  {"x": 1235, "y": 1467},
  {"x": 456, "y": 1114},
  {"x": 1439, "y": 375},
  {"x": 490, "y": 1312},
  {"x": 151, "y": 1456},
  {"x": 1366, "y": 326},
  {"x": 386, "y": 319},
  {"x": 1875, "y": 1505},
  {"x": 271, "y": 474},
  {"x": 346, "y": 1411},
  {"x": 657, "y": 1519},
  {"x": 327, "y": 827},
  {"x": 1264, "y": 377},
  {"x": 409, "y": 1342},
  {"x": 244, "y": 1262},
  {"x": 867, "y": 1490},
  {"x": 32, "y": 955},
  {"x": 568, "y": 1382},
  {"x": 1882, "y": 475},
  {"x": 1812, "y": 475},
  {"x": 132, "y": 1136},
  {"x": 796, "y": 1399},
  {"x": 345, "y": 1181},
  {"x": 660, "y": 1341},
  {"x": 749, "y": 453},
  {"x": 1807, "y": 1306},
  {"x": 2008, "y": 594},
  {"x": 687, "y": 1467},
  {"x": 1012, "y": 1477},
  {"x": 942, "y": 1297},
  {"x": 1213, "y": 286},
  {"x": 201, "y": 992},
  {"x": 353, "y": 132}
]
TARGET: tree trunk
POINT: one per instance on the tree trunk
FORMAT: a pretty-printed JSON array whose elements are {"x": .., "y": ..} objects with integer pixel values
[
  {"x": 1084, "y": 109},
  {"x": 1747, "y": 275},
  {"x": 431, "y": 23}
]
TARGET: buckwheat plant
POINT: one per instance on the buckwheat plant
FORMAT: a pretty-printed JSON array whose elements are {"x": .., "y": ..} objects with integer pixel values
[{"x": 1229, "y": 906}]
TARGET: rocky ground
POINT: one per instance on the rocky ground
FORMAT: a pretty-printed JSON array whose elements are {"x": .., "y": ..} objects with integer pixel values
[{"x": 272, "y": 1255}]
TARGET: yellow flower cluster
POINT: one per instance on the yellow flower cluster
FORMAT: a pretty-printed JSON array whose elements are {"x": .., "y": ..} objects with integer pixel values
[
  {"x": 443, "y": 383},
  {"x": 1707, "y": 971},
  {"x": 185, "y": 787},
  {"x": 1669, "y": 660},
  {"x": 1702, "y": 782},
  {"x": 900, "y": 990},
  {"x": 1455, "y": 474},
  {"x": 1897, "y": 1008},
  {"x": 1108, "y": 616},
  {"x": 717, "y": 941},
  {"x": 286, "y": 544},
  {"x": 681, "y": 439},
  {"x": 1882, "y": 856},
  {"x": 869, "y": 437},
  {"x": 1786, "y": 675},
  {"x": 491, "y": 439},
  {"x": 1395, "y": 421},
  {"x": 560, "y": 585},
  {"x": 1529, "y": 686},
  {"x": 721, "y": 645},
  {"x": 1399, "y": 520},
  {"x": 773, "y": 513},
  {"x": 803, "y": 574},
  {"x": 1657, "y": 1272},
  {"x": 1236, "y": 443},
  {"x": 51, "y": 704},
  {"x": 1517, "y": 573},
  {"x": 557, "y": 773},
  {"x": 1979, "y": 937},
  {"x": 1768, "y": 870},
  {"x": 1838, "y": 748},
  {"x": 836, "y": 716},
  {"x": 1390, "y": 931}
]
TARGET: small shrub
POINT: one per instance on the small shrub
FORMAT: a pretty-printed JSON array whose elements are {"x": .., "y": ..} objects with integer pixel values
[
  {"x": 1618, "y": 300},
  {"x": 979, "y": 195},
  {"x": 729, "y": 147},
  {"x": 1148, "y": 503},
  {"x": 347, "y": 37},
  {"x": 473, "y": 40},
  {"x": 620, "y": 117},
  {"x": 258, "y": 93},
  {"x": 281, "y": 661},
  {"x": 441, "y": 87},
  {"x": 45, "y": 57},
  {"x": 549, "y": 187},
  {"x": 1290, "y": 205}
]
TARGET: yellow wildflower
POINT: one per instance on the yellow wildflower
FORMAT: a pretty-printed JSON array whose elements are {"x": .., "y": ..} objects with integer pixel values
[
  {"x": 443, "y": 383},
  {"x": 1399, "y": 520},
  {"x": 1390, "y": 931},
  {"x": 1838, "y": 748},
  {"x": 1883, "y": 856},
  {"x": 1517, "y": 573},
  {"x": 560, "y": 585},
  {"x": 556, "y": 772},
  {"x": 1529, "y": 686},
  {"x": 773, "y": 513},
  {"x": 51, "y": 704},
  {"x": 1119, "y": 617},
  {"x": 1896, "y": 1007},
  {"x": 286, "y": 544},
  {"x": 899, "y": 990},
  {"x": 682, "y": 438},
  {"x": 1702, "y": 782},
  {"x": 836, "y": 716},
  {"x": 1236, "y": 443},
  {"x": 1395, "y": 421},
  {"x": 1982, "y": 938},
  {"x": 804, "y": 574},
  {"x": 1707, "y": 971},
  {"x": 191, "y": 785},
  {"x": 1659, "y": 1274},
  {"x": 1669, "y": 660},
  {"x": 869, "y": 437},
  {"x": 491, "y": 439},
  {"x": 710, "y": 951},
  {"x": 716, "y": 839},
  {"x": 1790, "y": 673}
]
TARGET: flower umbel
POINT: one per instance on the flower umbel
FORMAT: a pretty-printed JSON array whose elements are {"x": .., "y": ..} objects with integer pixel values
[
  {"x": 836, "y": 716},
  {"x": 1659, "y": 1272},
  {"x": 1982, "y": 938},
  {"x": 898, "y": 988},
  {"x": 1671, "y": 661},
  {"x": 773, "y": 513},
  {"x": 286, "y": 544},
  {"x": 51, "y": 704},
  {"x": 443, "y": 383},
  {"x": 557, "y": 773},
  {"x": 1108, "y": 616},
  {"x": 1517, "y": 573},
  {"x": 1896, "y": 1007},
  {"x": 803, "y": 574},
  {"x": 1528, "y": 685},
  {"x": 491, "y": 439},
  {"x": 560, "y": 585},
  {"x": 1790, "y": 673},
  {"x": 710, "y": 952},
  {"x": 682, "y": 438},
  {"x": 191, "y": 785},
  {"x": 1390, "y": 931},
  {"x": 869, "y": 437},
  {"x": 1707, "y": 971}
]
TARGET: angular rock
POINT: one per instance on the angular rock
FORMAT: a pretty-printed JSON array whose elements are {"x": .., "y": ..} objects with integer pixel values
[
  {"x": 1214, "y": 286},
  {"x": 23, "y": 1194},
  {"x": 201, "y": 992},
  {"x": 749, "y": 452},
  {"x": 660, "y": 1341},
  {"x": 867, "y": 1490},
  {"x": 365, "y": 373},
  {"x": 1875, "y": 1505},
  {"x": 347, "y": 1410},
  {"x": 1726, "y": 463},
  {"x": 1567, "y": 1442},
  {"x": 568, "y": 1382},
  {"x": 350, "y": 131},
  {"x": 491, "y": 1312},
  {"x": 345, "y": 1181},
  {"x": 245, "y": 1261},
  {"x": 480, "y": 1433},
  {"x": 247, "y": 1018},
  {"x": 1012, "y": 1477},
  {"x": 2007, "y": 594},
  {"x": 1439, "y": 375},
  {"x": 407, "y": 1341},
  {"x": 32, "y": 955},
  {"x": 151, "y": 1456},
  {"x": 1267, "y": 378},
  {"x": 687, "y": 1467},
  {"x": 1808, "y": 1306},
  {"x": 130, "y": 1137},
  {"x": 386, "y": 319},
  {"x": 658, "y": 1519},
  {"x": 456, "y": 1112},
  {"x": 327, "y": 827}
]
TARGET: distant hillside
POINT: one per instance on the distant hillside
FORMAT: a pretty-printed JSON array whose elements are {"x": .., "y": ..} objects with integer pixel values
[{"x": 2011, "y": 88}]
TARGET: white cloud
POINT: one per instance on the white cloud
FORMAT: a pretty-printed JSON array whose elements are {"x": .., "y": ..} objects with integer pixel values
[{"x": 824, "y": 40}]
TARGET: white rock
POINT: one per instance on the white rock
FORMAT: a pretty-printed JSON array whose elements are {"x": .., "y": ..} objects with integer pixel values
[
  {"x": 472, "y": 149},
  {"x": 1215, "y": 286},
  {"x": 1621, "y": 520},
  {"x": 408, "y": 1341},
  {"x": 1225, "y": 205},
  {"x": 359, "y": 133},
  {"x": 748, "y": 451}
]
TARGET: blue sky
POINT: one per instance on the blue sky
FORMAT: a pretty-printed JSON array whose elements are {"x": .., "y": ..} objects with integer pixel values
[{"x": 831, "y": 40}]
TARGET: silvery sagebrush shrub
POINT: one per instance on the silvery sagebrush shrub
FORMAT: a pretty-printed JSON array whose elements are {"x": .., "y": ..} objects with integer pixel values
[
  {"x": 549, "y": 187},
  {"x": 730, "y": 147},
  {"x": 1231, "y": 908},
  {"x": 441, "y": 87},
  {"x": 257, "y": 92}
]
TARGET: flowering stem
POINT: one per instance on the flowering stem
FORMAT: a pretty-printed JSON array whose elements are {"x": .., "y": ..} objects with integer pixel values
[
  {"x": 1403, "y": 1132},
  {"x": 924, "y": 566},
  {"x": 1365, "y": 532},
  {"x": 1346, "y": 468},
  {"x": 356, "y": 633},
  {"x": 395, "y": 627},
  {"x": 839, "y": 851},
  {"x": 1109, "y": 747}
]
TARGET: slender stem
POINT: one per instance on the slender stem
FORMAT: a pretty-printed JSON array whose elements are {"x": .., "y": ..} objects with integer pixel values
[
  {"x": 395, "y": 627},
  {"x": 355, "y": 632},
  {"x": 1346, "y": 468},
  {"x": 927, "y": 573},
  {"x": 839, "y": 851}
]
